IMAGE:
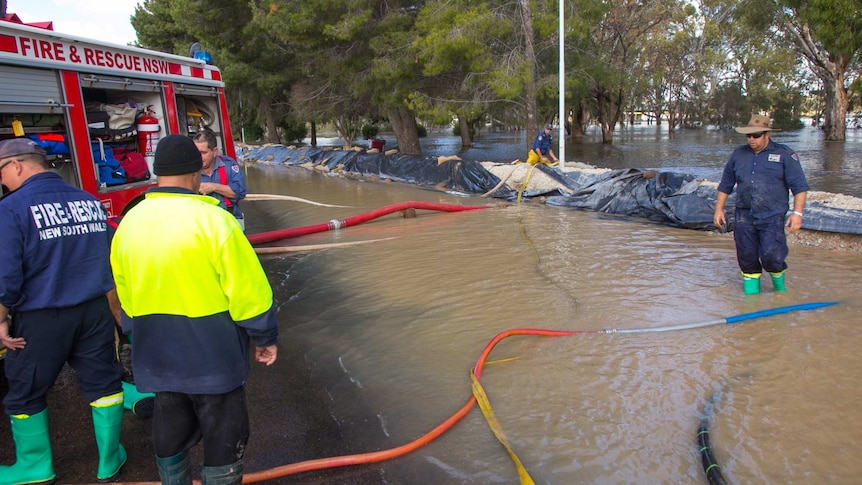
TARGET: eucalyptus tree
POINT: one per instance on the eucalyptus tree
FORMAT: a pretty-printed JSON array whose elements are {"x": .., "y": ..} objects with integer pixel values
[
  {"x": 609, "y": 57},
  {"x": 828, "y": 35},
  {"x": 752, "y": 70},
  {"x": 669, "y": 67}
]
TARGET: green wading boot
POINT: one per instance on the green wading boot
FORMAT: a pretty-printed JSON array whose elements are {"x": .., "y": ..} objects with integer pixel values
[
  {"x": 222, "y": 475},
  {"x": 778, "y": 281},
  {"x": 175, "y": 470},
  {"x": 751, "y": 283},
  {"x": 33, "y": 458},
  {"x": 139, "y": 403},
  {"x": 107, "y": 422}
]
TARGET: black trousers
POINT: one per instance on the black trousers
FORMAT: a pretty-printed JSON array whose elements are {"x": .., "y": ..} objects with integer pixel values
[
  {"x": 180, "y": 421},
  {"x": 82, "y": 335}
]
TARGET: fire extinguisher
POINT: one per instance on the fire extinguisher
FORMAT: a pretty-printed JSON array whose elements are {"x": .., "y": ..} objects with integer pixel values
[{"x": 148, "y": 136}]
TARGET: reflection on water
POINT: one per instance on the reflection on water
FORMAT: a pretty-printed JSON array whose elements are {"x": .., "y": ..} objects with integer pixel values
[{"x": 390, "y": 330}]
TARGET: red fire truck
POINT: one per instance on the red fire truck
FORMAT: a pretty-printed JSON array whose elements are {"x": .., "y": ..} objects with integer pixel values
[{"x": 79, "y": 96}]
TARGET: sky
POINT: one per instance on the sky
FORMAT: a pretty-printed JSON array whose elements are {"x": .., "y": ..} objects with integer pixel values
[{"x": 105, "y": 20}]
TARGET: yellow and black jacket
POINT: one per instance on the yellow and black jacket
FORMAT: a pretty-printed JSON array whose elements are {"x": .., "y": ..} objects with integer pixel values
[{"x": 193, "y": 293}]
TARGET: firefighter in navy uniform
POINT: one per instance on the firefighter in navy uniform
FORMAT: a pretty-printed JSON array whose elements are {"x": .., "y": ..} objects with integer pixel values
[
  {"x": 220, "y": 176},
  {"x": 55, "y": 287}
]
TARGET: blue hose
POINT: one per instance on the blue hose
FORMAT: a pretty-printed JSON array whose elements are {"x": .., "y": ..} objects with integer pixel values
[
  {"x": 728, "y": 320},
  {"x": 776, "y": 311}
]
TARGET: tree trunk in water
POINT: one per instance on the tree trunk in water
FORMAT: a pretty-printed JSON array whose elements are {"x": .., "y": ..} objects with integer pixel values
[
  {"x": 671, "y": 122},
  {"x": 272, "y": 135},
  {"x": 836, "y": 109},
  {"x": 314, "y": 133},
  {"x": 609, "y": 109},
  {"x": 530, "y": 86},
  {"x": 345, "y": 126},
  {"x": 466, "y": 131},
  {"x": 580, "y": 118},
  {"x": 831, "y": 69},
  {"x": 403, "y": 122}
]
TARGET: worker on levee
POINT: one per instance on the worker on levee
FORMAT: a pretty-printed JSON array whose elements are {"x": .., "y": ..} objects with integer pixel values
[{"x": 541, "y": 149}]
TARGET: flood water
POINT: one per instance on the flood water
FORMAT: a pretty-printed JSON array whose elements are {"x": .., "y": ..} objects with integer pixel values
[{"x": 390, "y": 330}]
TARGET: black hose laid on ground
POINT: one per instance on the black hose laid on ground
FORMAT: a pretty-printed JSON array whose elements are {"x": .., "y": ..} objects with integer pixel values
[{"x": 710, "y": 467}]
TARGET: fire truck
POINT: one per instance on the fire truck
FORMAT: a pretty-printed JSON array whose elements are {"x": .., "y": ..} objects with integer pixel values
[{"x": 81, "y": 98}]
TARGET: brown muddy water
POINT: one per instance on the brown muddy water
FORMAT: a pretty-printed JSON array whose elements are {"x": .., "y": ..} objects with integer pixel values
[{"x": 389, "y": 331}]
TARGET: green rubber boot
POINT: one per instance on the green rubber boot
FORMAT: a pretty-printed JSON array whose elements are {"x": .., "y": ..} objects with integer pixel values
[
  {"x": 175, "y": 470},
  {"x": 778, "y": 281},
  {"x": 751, "y": 283},
  {"x": 107, "y": 423},
  {"x": 139, "y": 403},
  {"x": 33, "y": 458},
  {"x": 222, "y": 475}
]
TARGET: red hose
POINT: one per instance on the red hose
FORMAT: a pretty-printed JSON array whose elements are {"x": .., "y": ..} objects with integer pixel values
[{"x": 270, "y": 236}]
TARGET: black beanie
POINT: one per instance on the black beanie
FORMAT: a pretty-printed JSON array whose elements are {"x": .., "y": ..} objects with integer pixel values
[{"x": 177, "y": 155}]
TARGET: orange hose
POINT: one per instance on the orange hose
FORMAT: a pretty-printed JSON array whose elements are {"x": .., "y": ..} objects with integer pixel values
[
  {"x": 364, "y": 458},
  {"x": 374, "y": 457}
]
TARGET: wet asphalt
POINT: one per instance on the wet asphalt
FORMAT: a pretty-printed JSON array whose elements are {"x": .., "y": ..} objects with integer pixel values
[{"x": 289, "y": 424}]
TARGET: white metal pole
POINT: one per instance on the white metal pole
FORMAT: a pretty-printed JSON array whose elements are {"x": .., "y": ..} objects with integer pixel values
[{"x": 561, "y": 154}]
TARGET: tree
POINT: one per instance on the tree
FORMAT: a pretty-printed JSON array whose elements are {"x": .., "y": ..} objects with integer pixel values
[
  {"x": 613, "y": 49},
  {"x": 155, "y": 27},
  {"x": 254, "y": 69},
  {"x": 743, "y": 76},
  {"x": 828, "y": 34}
]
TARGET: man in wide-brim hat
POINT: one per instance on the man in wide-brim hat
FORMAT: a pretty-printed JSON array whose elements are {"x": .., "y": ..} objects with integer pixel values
[{"x": 763, "y": 173}]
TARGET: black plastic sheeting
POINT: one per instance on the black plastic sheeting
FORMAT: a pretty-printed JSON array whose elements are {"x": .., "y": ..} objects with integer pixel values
[
  {"x": 457, "y": 175},
  {"x": 665, "y": 197},
  {"x": 668, "y": 198}
]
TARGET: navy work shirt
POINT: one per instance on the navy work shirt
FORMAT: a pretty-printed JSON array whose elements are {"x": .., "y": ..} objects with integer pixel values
[
  {"x": 235, "y": 180},
  {"x": 762, "y": 180},
  {"x": 543, "y": 143},
  {"x": 54, "y": 249}
]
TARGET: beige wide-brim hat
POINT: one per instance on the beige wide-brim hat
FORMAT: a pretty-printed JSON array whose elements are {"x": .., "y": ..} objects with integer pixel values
[{"x": 757, "y": 124}]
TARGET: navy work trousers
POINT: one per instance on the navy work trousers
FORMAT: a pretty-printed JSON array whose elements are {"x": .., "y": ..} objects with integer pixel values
[
  {"x": 181, "y": 420},
  {"x": 82, "y": 335},
  {"x": 760, "y": 243}
]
